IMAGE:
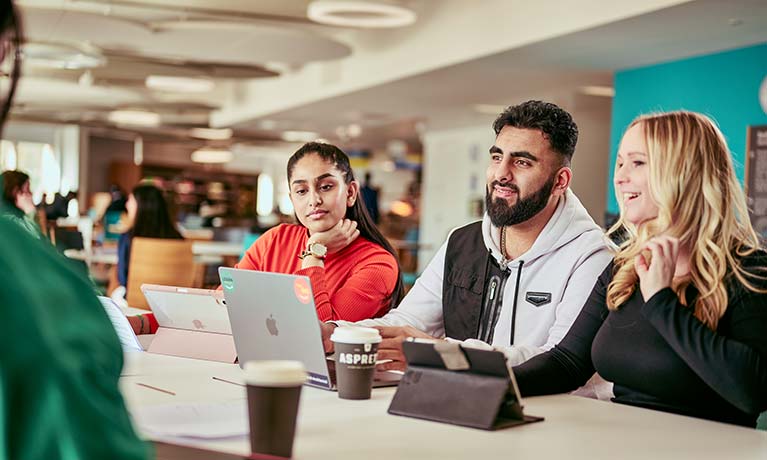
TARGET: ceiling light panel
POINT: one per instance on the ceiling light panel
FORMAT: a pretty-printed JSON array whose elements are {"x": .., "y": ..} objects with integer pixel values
[
  {"x": 212, "y": 155},
  {"x": 229, "y": 42},
  {"x": 362, "y": 14},
  {"x": 134, "y": 118},
  {"x": 211, "y": 134},
  {"x": 179, "y": 84}
]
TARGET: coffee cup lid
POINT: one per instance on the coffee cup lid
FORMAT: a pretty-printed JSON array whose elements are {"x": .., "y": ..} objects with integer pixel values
[
  {"x": 275, "y": 373},
  {"x": 355, "y": 334}
]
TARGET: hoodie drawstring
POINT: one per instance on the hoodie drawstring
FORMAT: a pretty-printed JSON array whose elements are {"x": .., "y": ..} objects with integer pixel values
[{"x": 514, "y": 307}]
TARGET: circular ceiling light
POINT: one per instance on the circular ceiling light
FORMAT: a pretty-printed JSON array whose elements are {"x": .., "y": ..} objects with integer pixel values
[
  {"x": 179, "y": 84},
  {"x": 363, "y": 14},
  {"x": 58, "y": 56},
  {"x": 134, "y": 118},
  {"x": 212, "y": 155}
]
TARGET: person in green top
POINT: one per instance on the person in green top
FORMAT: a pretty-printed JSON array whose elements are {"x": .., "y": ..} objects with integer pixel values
[
  {"x": 16, "y": 201},
  {"x": 60, "y": 360}
]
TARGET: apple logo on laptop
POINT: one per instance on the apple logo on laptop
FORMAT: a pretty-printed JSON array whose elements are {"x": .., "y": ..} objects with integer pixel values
[
  {"x": 271, "y": 325},
  {"x": 198, "y": 324}
]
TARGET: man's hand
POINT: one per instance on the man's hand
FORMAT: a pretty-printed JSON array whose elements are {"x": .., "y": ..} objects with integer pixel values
[
  {"x": 391, "y": 346},
  {"x": 658, "y": 273},
  {"x": 337, "y": 237},
  {"x": 327, "y": 331}
]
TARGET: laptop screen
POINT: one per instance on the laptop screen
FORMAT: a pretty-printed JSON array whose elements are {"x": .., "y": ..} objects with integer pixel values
[
  {"x": 186, "y": 308},
  {"x": 273, "y": 317}
]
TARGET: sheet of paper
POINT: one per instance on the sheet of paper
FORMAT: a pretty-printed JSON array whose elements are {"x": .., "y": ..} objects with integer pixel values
[
  {"x": 125, "y": 333},
  {"x": 198, "y": 420}
]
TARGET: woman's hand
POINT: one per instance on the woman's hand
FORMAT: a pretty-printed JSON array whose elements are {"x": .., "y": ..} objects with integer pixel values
[
  {"x": 658, "y": 272},
  {"x": 337, "y": 237}
]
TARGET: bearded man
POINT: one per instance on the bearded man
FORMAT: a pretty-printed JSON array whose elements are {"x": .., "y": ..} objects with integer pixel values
[{"x": 517, "y": 279}]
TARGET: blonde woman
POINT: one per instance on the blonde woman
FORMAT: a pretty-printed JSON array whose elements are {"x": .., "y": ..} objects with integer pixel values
[{"x": 678, "y": 321}]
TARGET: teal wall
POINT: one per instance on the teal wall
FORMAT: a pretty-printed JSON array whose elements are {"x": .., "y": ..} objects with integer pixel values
[{"x": 724, "y": 86}]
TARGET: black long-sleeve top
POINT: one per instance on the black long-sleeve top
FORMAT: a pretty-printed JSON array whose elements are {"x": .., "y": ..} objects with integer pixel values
[{"x": 660, "y": 356}]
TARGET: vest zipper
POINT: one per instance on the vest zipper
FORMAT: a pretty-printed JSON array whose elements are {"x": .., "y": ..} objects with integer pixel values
[
  {"x": 493, "y": 285},
  {"x": 514, "y": 307}
]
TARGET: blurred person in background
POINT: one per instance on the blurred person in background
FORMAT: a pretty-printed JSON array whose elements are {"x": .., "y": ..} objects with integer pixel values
[
  {"x": 17, "y": 200},
  {"x": 370, "y": 197},
  {"x": 148, "y": 217}
]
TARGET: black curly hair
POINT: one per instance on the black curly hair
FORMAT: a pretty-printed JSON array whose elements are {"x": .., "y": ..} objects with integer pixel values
[{"x": 555, "y": 123}]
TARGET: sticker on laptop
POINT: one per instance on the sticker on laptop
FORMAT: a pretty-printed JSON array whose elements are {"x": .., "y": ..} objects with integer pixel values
[
  {"x": 302, "y": 290},
  {"x": 227, "y": 282}
]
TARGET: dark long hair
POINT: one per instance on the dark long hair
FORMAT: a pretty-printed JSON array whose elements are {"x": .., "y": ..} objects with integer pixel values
[
  {"x": 152, "y": 217},
  {"x": 10, "y": 48},
  {"x": 12, "y": 181},
  {"x": 356, "y": 212}
]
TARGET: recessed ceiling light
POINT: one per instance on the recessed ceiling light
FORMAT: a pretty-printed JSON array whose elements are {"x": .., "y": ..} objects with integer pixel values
[
  {"x": 134, "y": 117},
  {"x": 212, "y": 155},
  {"x": 179, "y": 84},
  {"x": 364, "y": 14},
  {"x": 594, "y": 90},
  {"x": 299, "y": 136},
  {"x": 211, "y": 134}
]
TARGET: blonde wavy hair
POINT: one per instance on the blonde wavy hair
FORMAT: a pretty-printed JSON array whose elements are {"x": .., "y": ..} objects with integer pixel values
[{"x": 700, "y": 201}]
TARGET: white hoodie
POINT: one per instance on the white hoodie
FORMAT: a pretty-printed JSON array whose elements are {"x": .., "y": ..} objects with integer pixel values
[{"x": 565, "y": 261}]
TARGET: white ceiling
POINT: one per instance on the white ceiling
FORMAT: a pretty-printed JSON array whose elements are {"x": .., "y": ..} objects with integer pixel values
[
  {"x": 275, "y": 70},
  {"x": 220, "y": 40},
  {"x": 554, "y": 69}
]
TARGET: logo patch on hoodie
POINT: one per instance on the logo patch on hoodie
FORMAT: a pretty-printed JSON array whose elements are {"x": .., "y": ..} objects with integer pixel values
[{"x": 538, "y": 298}]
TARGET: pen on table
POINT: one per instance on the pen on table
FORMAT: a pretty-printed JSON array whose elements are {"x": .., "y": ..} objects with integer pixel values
[
  {"x": 155, "y": 388},
  {"x": 227, "y": 381}
]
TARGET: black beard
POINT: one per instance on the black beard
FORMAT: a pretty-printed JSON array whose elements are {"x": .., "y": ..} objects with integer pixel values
[{"x": 501, "y": 214}]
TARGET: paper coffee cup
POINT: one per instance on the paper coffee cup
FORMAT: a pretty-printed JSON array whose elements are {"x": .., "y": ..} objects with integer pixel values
[
  {"x": 274, "y": 391},
  {"x": 275, "y": 373},
  {"x": 356, "y": 349}
]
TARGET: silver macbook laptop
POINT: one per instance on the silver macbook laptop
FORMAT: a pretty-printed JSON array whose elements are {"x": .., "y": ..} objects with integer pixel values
[
  {"x": 191, "y": 309},
  {"x": 273, "y": 316}
]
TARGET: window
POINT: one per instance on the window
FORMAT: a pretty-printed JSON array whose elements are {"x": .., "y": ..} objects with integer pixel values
[{"x": 265, "y": 200}]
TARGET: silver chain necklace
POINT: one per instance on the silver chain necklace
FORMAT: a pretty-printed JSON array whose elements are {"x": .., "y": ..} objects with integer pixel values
[{"x": 504, "y": 261}]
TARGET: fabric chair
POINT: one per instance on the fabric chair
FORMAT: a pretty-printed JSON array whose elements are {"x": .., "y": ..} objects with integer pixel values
[{"x": 158, "y": 261}]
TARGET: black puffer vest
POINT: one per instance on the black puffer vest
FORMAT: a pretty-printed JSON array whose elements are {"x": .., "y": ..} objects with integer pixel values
[{"x": 472, "y": 291}]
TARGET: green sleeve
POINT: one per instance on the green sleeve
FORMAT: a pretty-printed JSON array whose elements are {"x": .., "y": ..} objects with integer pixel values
[{"x": 60, "y": 361}]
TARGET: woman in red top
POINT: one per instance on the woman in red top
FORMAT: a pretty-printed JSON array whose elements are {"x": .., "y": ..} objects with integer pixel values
[{"x": 352, "y": 268}]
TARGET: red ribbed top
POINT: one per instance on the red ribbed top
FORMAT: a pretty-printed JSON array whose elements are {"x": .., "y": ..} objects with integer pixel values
[{"x": 355, "y": 283}]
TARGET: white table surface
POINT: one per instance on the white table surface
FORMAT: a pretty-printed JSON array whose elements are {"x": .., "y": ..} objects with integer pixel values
[{"x": 331, "y": 428}]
